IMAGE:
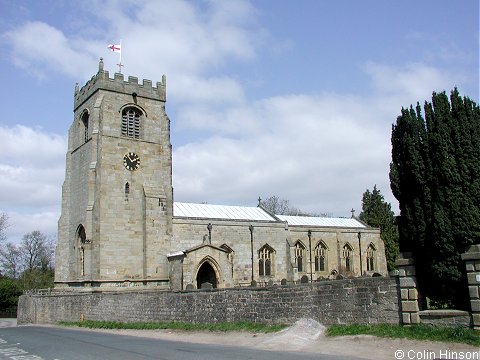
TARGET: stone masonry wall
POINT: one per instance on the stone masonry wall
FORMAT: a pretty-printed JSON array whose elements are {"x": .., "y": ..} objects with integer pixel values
[{"x": 361, "y": 300}]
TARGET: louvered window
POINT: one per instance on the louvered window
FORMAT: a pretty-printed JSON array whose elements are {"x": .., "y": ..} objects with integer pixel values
[{"x": 131, "y": 123}]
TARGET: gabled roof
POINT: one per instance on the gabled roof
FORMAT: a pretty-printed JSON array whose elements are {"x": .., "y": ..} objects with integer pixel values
[
  {"x": 321, "y": 221},
  {"x": 207, "y": 211},
  {"x": 226, "y": 212}
]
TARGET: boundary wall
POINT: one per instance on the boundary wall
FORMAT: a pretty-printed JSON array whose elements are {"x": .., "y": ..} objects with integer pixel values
[{"x": 349, "y": 301}]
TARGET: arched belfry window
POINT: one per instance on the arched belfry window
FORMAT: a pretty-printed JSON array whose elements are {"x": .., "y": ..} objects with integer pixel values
[
  {"x": 299, "y": 256},
  {"x": 131, "y": 122},
  {"x": 371, "y": 257},
  {"x": 85, "y": 125},
  {"x": 320, "y": 256}
]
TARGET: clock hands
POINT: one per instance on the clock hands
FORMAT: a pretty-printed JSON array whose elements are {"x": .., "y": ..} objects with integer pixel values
[{"x": 131, "y": 161}]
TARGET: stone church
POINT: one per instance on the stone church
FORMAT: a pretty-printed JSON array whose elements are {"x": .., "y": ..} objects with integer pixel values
[{"x": 120, "y": 228}]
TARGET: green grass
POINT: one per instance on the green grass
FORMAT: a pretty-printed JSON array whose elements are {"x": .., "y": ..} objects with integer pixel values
[
  {"x": 415, "y": 332},
  {"x": 234, "y": 326}
]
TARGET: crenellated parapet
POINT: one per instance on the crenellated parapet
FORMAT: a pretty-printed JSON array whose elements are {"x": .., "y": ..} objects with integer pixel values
[{"x": 118, "y": 84}]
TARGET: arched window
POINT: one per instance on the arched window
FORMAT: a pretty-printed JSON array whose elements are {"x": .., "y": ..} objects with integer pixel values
[
  {"x": 347, "y": 256},
  {"x": 81, "y": 234},
  {"x": 299, "y": 256},
  {"x": 265, "y": 260},
  {"x": 81, "y": 240},
  {"x": 85, "y": 126},
  {"x": 127, "y": 189},
  {"x": 320, "y": 256},
  {"x": 371, "y": 258},
  {"x": 131, "y": 122}
]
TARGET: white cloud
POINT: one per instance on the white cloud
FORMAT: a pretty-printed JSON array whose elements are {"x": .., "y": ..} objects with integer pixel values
[
  {"x": 321, "y": 152},
  {"x": 187, "y": 42},
  {"x": 32, "y": 147},
  {"x": 33, "y": 168},
  {"x": 39, "y": 48},
  {"x": 22, "y": 223},
  {"x": 412, "y": 82}
]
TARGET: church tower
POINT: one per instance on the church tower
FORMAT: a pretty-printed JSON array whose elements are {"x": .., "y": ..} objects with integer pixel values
[{"x": 115, "y": 226}]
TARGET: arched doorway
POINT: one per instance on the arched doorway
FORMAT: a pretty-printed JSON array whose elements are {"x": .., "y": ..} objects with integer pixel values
[{"x": 206, "y": 274}]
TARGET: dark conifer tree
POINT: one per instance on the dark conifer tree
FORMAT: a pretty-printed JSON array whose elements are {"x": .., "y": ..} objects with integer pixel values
[
  {"x": 378, "y": 213},
  {"x": 435, "y": 175}
]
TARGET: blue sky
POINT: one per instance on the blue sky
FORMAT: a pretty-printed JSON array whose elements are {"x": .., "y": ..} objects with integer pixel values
[{"x": 271, "y": 97}]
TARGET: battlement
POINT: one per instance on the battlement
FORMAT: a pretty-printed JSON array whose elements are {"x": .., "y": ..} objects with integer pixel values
[{"x": 102, "y": 80}]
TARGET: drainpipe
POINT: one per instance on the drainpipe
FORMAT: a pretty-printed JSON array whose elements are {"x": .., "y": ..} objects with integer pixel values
[
  {"x": 310, "y": 247},
  {"x": 359, "y": 235},
  {"x": 209, "y": 228},
  {"x": 251, "y": 246}
]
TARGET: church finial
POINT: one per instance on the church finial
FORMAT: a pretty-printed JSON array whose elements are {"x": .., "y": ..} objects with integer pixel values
[
  {"x": 100, "y": 65},
  {"x": 259, "y": 201},
  {"x": 353, "y": 213},
  {"x": 76, "y": 88}
]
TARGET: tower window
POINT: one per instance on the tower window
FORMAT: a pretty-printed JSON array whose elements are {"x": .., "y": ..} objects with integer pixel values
[
  {"x": 85, "y": 126},
  {"x": 131, "y": 122},
  {"x": 127, "y": 189},
  {"x": 81, "y": 241}
]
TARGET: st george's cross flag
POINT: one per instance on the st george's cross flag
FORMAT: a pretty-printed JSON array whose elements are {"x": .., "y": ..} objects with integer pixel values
[{"x": 115, "y": 48}]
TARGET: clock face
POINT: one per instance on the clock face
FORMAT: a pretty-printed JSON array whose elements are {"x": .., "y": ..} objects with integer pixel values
[{"x": 131, "y": 161}]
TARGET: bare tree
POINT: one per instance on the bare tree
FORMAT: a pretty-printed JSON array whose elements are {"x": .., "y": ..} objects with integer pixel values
[
  {"x": 10, "y": 260},
  {"x": 277, "y": 206},
  {"x": 36, "y": 251}
]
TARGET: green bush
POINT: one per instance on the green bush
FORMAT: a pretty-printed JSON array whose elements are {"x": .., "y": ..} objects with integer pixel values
[{"x": 9, "y": 293}]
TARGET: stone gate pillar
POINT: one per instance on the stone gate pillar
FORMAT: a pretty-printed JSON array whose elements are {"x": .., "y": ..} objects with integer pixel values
[
  {"x": 472, "y": 264},
  {"x": 408, "y": 289}
]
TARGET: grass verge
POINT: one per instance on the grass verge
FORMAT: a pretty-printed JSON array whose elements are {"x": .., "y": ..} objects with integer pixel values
[
  {"x": 414, "y": 332},
  {"x": 235, "y": 326}
]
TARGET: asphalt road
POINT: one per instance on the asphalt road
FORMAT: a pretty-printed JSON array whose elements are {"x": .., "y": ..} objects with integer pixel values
[{"x": 51, "y": 343}]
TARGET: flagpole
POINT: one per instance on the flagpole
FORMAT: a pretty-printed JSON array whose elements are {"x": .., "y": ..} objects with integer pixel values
[{"x": 120, "y": 64}]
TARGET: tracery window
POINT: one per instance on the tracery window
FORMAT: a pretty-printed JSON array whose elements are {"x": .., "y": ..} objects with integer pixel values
[
  {"x": 299, "y": 256},
  {"x": 320, "y": 256},
  {"x": 131, "y": 122},
  {"x": 265, "y": 259},
  {"x": 371, "y": 258},
  {"x": 347, "y": 256}
]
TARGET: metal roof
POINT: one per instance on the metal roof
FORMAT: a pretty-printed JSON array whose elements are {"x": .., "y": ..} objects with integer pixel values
[
  {"x": 225, "y": 212},
  {"x": 321, "y": 221},
  {"x": 208, "y": 211}
]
